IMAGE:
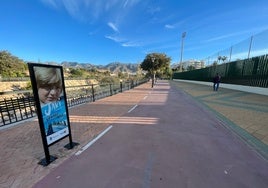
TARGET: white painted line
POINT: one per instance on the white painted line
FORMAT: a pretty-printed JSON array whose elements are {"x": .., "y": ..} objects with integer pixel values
[
  {"x": 132, "y": 108},
  {"x": 93, "y": 141}
]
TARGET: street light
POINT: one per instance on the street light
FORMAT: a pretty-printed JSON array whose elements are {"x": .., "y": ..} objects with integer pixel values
[
  {"x": 251, "y": 38},
  {"x": 121, "y": 86},
  {"x": 153, "y": 77},
  {"x": 182, "y": 37}
]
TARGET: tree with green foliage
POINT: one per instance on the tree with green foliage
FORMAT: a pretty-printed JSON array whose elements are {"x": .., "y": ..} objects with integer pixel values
[
  {"x": 11, "y": 66},
  {"x": 76, "y": 73},
  {"x": 165, "y": 73},
  {"x": 154, "y": 63},
  {"x": 190, "y": 68},
  {"x": 109, "y": 80}
]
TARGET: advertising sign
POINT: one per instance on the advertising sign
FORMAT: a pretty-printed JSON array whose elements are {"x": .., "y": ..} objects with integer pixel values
[
  {"x": 50, "y": 97},
  {"x": 55, "y": 120}
]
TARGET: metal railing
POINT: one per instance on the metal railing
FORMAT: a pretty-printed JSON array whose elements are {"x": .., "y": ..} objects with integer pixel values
[
  {"x": 18, "y": 109},
  {"x": 21, "y": 108}
]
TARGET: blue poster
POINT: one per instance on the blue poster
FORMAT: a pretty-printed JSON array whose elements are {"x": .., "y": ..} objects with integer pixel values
[{"x": 55, "y": 120}]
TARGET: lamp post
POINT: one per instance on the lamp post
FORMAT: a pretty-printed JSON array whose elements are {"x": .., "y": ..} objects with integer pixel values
[
  {"x": 251, "y": 38},
  {"x": 182, "y": 39},
  {"x": 153, "y": 71},
  {"x": 121, "y": 86}
]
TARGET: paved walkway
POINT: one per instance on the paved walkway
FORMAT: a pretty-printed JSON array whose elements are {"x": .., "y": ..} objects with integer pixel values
[
  {"x": 241, "y": 110},
  {"x": 175, "y": 139}
]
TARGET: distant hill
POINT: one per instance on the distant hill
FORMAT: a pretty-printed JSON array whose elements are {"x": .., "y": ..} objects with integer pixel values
[
  {"x": 121, "y": 67},
  {"x": 77, "y": 65},
  {"x": 114, "y": 67},
  {"x": 11, "y": 66}
]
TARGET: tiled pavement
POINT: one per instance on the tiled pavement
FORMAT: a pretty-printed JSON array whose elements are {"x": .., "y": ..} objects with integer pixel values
[
  {"x": 21, "y": 147},
  {"x": 246, "y": 114}
]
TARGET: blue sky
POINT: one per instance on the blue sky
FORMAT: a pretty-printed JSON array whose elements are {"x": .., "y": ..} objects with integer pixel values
[{"x": 105, "y": 31}]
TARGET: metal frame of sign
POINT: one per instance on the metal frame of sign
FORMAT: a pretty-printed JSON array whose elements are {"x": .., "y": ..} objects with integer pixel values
[{"x": 53, "y": 116}]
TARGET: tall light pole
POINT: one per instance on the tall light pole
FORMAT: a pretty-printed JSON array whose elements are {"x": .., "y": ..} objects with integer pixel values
[
  {"x": 153, "y": 76},
  {"x": 182, "y": 39},
  {"x": 251, "y": 38}
]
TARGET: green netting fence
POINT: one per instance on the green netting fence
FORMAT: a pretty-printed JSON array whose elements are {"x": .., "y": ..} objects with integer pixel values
[{"x": 250, "y": 72}]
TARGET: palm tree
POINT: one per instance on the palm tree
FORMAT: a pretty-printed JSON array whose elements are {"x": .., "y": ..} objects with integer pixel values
[{"x": 222, "y": 58}]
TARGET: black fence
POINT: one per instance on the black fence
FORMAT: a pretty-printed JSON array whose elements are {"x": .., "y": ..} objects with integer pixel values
[
  {"x": 249, "y": 72},
  {"x": 17, "y": 109}
]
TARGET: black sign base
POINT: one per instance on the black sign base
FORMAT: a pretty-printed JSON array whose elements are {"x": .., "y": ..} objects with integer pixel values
[
  {"x": 44, "y": 161},
  {"x": 71, "y": 146}
]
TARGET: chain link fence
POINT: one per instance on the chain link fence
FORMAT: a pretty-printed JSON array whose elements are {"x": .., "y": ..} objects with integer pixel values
[{"x": 253, "y": 46}]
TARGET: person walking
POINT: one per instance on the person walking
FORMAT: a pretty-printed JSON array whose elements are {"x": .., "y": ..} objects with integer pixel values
[{"x": 216, "y": 82}]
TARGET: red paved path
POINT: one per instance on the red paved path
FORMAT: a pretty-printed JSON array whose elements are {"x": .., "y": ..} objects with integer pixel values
[{"x": 167, "y": 140}]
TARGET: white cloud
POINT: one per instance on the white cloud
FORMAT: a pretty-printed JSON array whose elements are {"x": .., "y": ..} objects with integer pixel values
[
  {"x": 130, "y": 3},
  {"x": 130, "y": 44},
  {"x": 226, "y": 36},
  {"x": 122, "y": 42},
  {"x": 72, "y": 7},
  {"x": 51, "y": 3},
  {"x": 95, "y": 10},
  {"x": 113, "y": 26},
  {"x": 218, "y": 38},
  {"x": 113, "y": 38},
  {"x": 168, "y": 26},
  {"x": 76, "y": 9},
  {"x": 126, "y": 3}
]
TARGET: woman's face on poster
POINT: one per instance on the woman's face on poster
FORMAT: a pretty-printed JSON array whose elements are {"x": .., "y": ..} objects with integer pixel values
[
  {"x": 49, "y": 84},
  {"x": 49, "y": 93}
]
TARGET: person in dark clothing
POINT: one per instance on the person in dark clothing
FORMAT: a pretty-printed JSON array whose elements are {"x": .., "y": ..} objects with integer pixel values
[{"x": 216, "y": 82}]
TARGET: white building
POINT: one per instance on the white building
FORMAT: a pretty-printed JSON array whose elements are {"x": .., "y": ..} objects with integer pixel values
[{"x": 197, "y": 64}]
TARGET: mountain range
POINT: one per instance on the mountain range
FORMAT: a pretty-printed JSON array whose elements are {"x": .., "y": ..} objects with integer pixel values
[{"x": 114, "y": 67}]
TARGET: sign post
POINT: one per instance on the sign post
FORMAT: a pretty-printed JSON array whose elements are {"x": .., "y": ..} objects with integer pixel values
[{"x": 51, "y": 104}]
